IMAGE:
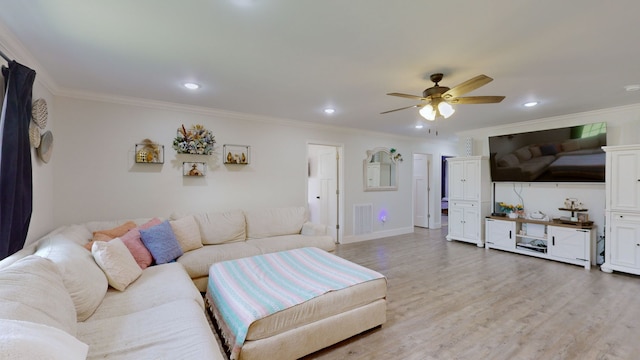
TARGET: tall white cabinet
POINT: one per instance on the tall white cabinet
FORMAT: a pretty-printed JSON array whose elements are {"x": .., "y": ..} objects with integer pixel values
[
  {"x": 469, "y": 198},
  {"x": 622, "y": 232}
]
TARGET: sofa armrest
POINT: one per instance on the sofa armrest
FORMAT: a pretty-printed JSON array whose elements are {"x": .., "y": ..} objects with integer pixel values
[{"x": 309, "y": 228}]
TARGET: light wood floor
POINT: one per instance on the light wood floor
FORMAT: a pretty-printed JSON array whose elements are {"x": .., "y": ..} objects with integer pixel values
[{"x": 453, "y": 300}]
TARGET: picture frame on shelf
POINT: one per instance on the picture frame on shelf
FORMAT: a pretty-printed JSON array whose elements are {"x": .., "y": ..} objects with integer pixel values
[
  {"x": 236, "y": 154},
  {"x": 148, "y": 152},
  {"x": 190, "y": 168}
]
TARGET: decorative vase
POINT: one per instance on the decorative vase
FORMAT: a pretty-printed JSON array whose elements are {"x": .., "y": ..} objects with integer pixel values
[{"x": 512, "y": 215}]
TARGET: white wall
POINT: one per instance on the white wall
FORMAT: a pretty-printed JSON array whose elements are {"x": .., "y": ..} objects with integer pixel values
[
  {"x": 42, "y": 219},
  {"x": 96, "y": 177}
]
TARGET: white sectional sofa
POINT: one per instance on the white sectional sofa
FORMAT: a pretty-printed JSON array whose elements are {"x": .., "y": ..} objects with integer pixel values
[{"x": 60, "y": 300}]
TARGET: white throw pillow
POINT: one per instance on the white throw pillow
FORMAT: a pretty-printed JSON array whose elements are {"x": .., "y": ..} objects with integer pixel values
[
  {"x": 31, "y": 289},
  {"x": 187, "y": 233},
  {"x": 23, "y": 340},
  {"x": 82, "y": 277},
  {"x": 116, "y": 261}
]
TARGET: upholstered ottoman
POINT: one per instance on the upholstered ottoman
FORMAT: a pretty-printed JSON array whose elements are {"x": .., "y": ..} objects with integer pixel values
[{"x": 289, "y": 304}]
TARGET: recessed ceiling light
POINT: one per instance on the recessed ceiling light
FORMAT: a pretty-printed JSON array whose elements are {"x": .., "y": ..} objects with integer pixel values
[
  {"x": 191, "y": 86},
  {"x": 419, "y": 126},
  {"x": 329, "y": 111},
  {"x": 634, "y": 87},
  {"x": 531, "y": 103}
]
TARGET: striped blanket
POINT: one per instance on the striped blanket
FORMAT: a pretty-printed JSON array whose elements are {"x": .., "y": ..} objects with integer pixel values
[{"x": 245, "y": 290}]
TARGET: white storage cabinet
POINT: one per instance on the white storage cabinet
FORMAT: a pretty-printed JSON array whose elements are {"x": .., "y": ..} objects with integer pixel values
[
  {"x": 622, "y": 213},
  {"x": 469, "y": 198},
  {"x": 566, "y": 243}
]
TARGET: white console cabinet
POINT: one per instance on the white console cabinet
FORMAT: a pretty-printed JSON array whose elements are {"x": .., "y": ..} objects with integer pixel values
[
  {"x": 622, "y": 233},
  {"x": 469, "y": 198},
  {"x": 560, "y": 242}
]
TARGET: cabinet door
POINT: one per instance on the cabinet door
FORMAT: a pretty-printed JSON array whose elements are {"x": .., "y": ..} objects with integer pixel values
[
  {"x": 625, "y": 240},
  {"x": 500, "y": 234},
  {"x": 455, "y": 221},
  {"x": 471, "y": 223},
  {"x": 625, "y": 180},
  {"x": 568, "y": 243},
  {"x": 456, "y": 177},
  {"x": 471, "y": 180}
]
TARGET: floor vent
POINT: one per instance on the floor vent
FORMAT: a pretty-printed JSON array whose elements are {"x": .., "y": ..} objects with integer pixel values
[{"x": 362, "y": 219}]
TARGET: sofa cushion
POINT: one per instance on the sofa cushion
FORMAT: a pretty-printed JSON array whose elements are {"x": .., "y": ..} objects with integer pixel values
[
  {"x": 82, "y": 277},
  {"x": 509, "y": 160},
  {"x": 161, "y": 242},
  {"x": 535, "y": 151},
  {"x": 28, "y": 340},
  {"x": 108, "y": 234},
  {"x": 176, "y": 330},
  {"x": 158, "y": 285},
  {"x": 116, "y": 261},
  {"x": 290, "y": 242},
  {"x": 523, "y": 154},
  {"x": 197, "y": 262},
  {"x": 31, "y": 289},
  {"x": 133, "y": 242},
  {"x": 221, "y": 227},
  {"x": 187, "y": 232},
  {"x": 571, "y": 145},
  {"x": 275, "y": 221}
]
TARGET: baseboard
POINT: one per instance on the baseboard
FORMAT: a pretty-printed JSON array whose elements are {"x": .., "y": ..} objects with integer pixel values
[{"x": 376, "y": 235}]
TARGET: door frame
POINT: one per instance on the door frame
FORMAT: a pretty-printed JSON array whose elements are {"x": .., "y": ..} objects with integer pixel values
[{"x": 340, "y": 183}]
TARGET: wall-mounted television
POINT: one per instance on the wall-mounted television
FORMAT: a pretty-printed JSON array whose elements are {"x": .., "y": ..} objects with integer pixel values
[{"x": 569, "y": 154}]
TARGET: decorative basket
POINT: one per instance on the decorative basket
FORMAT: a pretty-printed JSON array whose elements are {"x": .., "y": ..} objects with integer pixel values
[
  {"x": 39, "y": 113},
  {"x": 34, "y": 135}
]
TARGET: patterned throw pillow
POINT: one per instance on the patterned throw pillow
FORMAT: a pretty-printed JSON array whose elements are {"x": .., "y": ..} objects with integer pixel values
[{"x": 161, "y": 242}]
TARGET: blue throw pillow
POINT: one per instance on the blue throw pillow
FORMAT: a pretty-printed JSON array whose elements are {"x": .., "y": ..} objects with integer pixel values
[
  {"x": 161, "y": 242},
  {"x": 549, "y": 149}
]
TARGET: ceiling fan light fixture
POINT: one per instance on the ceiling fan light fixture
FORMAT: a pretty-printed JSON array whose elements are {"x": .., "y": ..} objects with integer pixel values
[
  {"x": 428, "y": 112},
  {"x": 445, "y": 109}
]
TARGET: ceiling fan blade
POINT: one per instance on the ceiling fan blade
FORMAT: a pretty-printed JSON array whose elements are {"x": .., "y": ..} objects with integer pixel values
[
  {"x": 408, "y": 96},
  {"x": 467, "y": 86},
  {"x": 406, "y": 107},
  {"x": 476, "y": 100}
]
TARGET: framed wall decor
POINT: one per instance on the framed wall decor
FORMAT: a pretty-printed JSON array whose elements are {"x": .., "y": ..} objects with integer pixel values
[
  {"x": 148, "y": 152},
  {"x": 194, "y": 168},
  {"x": 237, "y": 154}
]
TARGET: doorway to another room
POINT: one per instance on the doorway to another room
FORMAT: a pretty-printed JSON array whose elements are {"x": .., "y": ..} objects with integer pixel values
[
  {"x": 421, "y": 214},
  {"x": 324, "y": 197},
  {"x": 444, "y": 195}
]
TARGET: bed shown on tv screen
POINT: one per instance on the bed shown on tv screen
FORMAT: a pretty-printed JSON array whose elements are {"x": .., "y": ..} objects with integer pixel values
[{"x": 570, "y": 154}]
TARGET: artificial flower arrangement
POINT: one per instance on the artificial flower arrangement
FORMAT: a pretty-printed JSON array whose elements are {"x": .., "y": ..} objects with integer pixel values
[
  {"x": 196, "y": 140},
  {"x": 396, "y": 157},
  {"x": 508, "y": 208}
]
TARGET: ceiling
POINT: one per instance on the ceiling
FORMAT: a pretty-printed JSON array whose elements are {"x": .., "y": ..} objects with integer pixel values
[{"x": 290, "y": 59}]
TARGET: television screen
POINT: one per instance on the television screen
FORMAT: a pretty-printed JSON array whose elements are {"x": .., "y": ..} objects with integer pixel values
[{"x": 570, "y": 154}]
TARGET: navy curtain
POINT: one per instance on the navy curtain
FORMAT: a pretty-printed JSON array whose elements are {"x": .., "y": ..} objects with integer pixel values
[{"x": 16, "y": 186}]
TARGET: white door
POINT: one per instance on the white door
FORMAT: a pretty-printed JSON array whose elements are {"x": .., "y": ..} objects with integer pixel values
[
  {"x": 420, "y": 190},
  {"x": 322, "y": 187}
]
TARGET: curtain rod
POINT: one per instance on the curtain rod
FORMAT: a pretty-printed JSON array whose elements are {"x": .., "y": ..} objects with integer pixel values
[{"x": 5, "y": 56}]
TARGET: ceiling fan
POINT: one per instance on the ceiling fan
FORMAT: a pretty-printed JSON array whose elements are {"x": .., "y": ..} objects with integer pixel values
[{"x": 436, "y": 100}]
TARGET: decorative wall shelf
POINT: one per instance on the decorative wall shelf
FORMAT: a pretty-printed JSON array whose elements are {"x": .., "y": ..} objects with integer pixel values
[
  {"x": 149, "y": 152},
  {"x": 194, "y": 168},
  {"x": 237, "y": 154}
]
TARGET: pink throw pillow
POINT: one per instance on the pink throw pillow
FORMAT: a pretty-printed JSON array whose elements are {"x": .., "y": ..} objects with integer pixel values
[{"x": 133, "y": 242}]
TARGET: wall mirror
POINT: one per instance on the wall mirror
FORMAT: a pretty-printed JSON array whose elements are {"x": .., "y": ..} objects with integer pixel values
[{"x": 380, "y": 170}]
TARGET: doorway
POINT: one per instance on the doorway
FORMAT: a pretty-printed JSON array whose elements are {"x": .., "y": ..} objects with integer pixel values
[
  {"x": 421, "y": 214},
  {"x": 324, "y": 183}
]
